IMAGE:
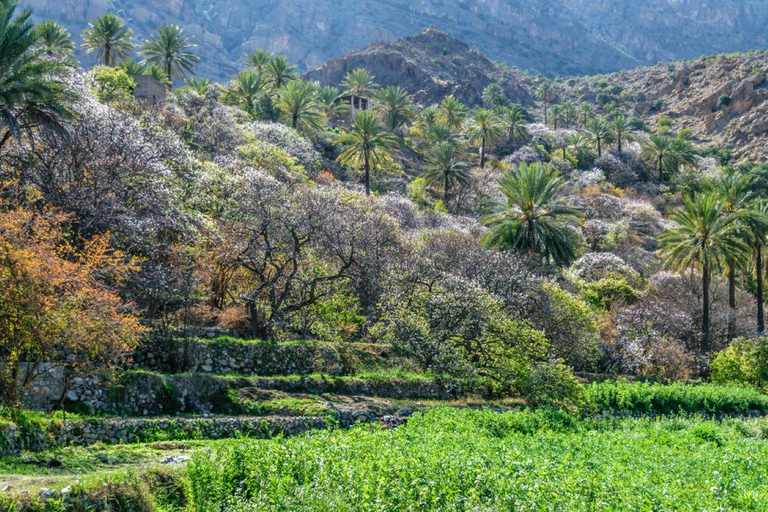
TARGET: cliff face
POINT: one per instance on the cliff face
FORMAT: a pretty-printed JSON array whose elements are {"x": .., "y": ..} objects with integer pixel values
[{"x": 553, "y": 37}]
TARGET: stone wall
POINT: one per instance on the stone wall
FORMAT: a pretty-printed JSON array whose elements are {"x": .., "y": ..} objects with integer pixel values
[
  {"x": 258, "y": 357},
  {"x": 14, "y": 440}
]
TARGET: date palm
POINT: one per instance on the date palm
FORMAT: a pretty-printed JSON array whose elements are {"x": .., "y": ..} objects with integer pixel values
[
  {"x": 579, "y": 144},
  {"x": 494, "y": 97},
  {"x": 299, "y": 107},
  {"x": 452, "y": 112},
  {"x": 395, "y": 107},
  {"x": 662, "y": 153},
  {"x": 515, "y": 120},
  {"x": 280, "y": 71},
  {"x": 32, "y": 93},
  {"x": 585, "y": 111},
  {"x": 132, "y": 67},
  {"x": 754, "y": 220},
  {"x": 444, "y": 167},
  {"x": 109, "y": 38},
  {"x": 599, "y": 131},
  {"x": 484, "y": 130},
  {"x": 55, "y": 40},
  {"x": 704, "y": 238},
  {"x": 547, "y": 94},
  {"x": 245, "y": 89},
  {"x": 258, "y": 61},
  {"x": 621, "y": 131},
  {"x": 533, "y": 220},
  {"x": 171, "y": 50},
  {"x": 200, "y": 85},
  {"x": 329, "y": 96},
  {"x": 359, "y": 83},
  {"x": 735, "y": 191},
  {"x": 556, "y": 116},
  {"x": 367, "y": 145},
  {"x": 570, "y": 113}
]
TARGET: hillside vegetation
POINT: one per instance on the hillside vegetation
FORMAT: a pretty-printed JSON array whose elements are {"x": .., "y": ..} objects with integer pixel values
[{"x": 273, "y": 256}]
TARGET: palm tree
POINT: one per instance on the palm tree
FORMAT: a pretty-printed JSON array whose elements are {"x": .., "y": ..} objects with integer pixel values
[
  {"x": 452, "y": 112},
  {"x": 570, "y": 113},
  {"x": 621, "y": 131},
  {"x": 533, "y": 220},
  {"x": 547, "y": 94},
  {"x": 599, "y": 131},
  {"x": 55, "y": 40},
  {"x": 494, "y": 97},
  {"x": 515, "y": 120},
  {"x": 579, "y": 144},
  {"x": 483, "y": 130},
  {"x": 367, "y": 145},
  {"x": 109, "y": 38},
  {"x": 245, "y": 89},
  {"x": 300, "y": 107},
  {"x": 281, "y": 71},
  {"x": 359, "y": 83},
  {"x": 735, "y": 190},
  {"x": 258, "y": 61},
  {"x": 661, "y": 154},
  {"x": 755, "y": 221},
  {"x": 32, "y": 94},
  {"x": 556, "y": 115},
  {"x": 170, "y": 50},
  {"x": 705, "y": 237},
  {"x": 438, "y": 133},
  {"x": 585, "y": 110},
  {"x": 200, "y": 85},
  {"x": 395, "y": 107},
  {"x": 132, "y": 67},
  {"x": 328, "y": 96},
  {"x": 444, "y": 167},
  {"x": 158, "y": 74},
  {"x": 685, "y": 152}
]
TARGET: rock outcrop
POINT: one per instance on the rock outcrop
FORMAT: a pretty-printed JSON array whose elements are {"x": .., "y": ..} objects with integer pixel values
[{"x": 431, "y": 66}]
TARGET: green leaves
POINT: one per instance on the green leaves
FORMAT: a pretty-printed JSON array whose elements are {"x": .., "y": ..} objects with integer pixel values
[
  {"x": 534, "y": 220},
  {"x": 170, "y": 50}
]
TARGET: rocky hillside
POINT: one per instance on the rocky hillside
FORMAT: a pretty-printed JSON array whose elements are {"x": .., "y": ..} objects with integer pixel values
[
  {"x": 553, "y": 37},
  {"x": 721, "y": 99},
  {"x": 431, "y": 66}
]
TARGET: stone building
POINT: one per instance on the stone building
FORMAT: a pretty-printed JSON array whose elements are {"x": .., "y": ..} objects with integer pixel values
[{"x": 149, "y": 88}]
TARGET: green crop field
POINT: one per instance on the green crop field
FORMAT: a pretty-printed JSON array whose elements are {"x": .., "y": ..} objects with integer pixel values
[{"x": 451, "y": 459}]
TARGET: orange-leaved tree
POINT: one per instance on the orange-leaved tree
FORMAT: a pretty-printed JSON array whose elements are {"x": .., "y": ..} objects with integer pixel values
[{"x": 58, "y": 301}]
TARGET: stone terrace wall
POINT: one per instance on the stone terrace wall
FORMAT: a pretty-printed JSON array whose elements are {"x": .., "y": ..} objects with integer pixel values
[{"x": 226, "y": 356}]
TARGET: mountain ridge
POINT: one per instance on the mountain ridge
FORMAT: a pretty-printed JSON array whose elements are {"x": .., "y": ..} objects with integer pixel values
[{"x": 551, "y": 37}]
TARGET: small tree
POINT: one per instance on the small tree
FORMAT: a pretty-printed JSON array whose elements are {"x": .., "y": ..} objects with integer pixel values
[
  {"x": 58, "y": 303},
  {"x": 367, "y": 145}
]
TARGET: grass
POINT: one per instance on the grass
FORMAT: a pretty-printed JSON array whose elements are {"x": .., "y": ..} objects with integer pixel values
[{"x": 449, "y": 459}]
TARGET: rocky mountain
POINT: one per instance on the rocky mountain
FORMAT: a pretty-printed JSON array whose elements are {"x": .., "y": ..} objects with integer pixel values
[
  {"x": 431, "y": 66},
  {"x": 553, "y": 37},
  {"x": 723, "y": 99}
]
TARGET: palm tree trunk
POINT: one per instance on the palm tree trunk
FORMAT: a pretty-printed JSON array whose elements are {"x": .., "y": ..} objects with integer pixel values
[
  {"x": 445, "y": 189},
  {"x": 599, "y": 148},
  {"x": 564, "y": 154},
  {"x": 545, "y": 113},
  {"x": 661, "y": 173},
  {"x": 618, "y": 140},
  {"x": 731, "y": 302},
  {"x": 705, "y": 278},
  {"x": 367, "y": 175},
  {"x": 482, "y": 154},
  {"x": 760, "y": 309}
]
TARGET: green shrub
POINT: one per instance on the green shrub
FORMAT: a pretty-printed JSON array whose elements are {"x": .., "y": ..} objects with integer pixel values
[
  {"x": 110, "y": 84},
  {"x": 606, "y": 292},
  {"x": 744, "y": 363},
  {"x": 647, "y": 398}
]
